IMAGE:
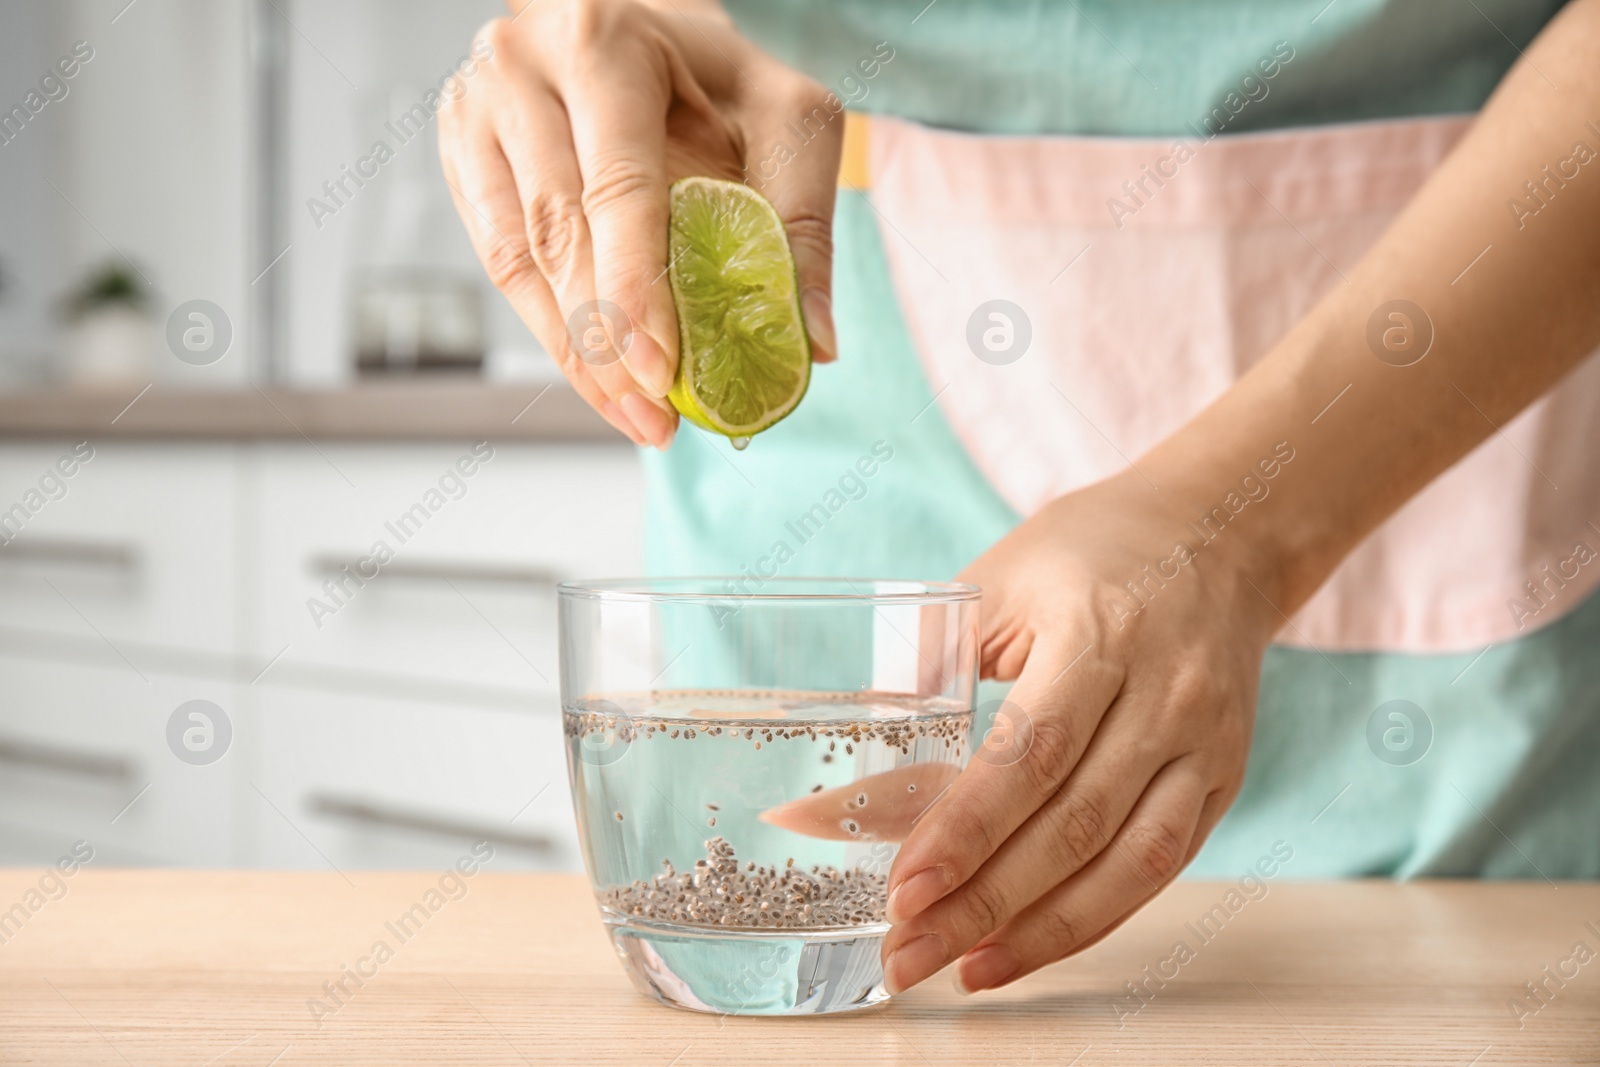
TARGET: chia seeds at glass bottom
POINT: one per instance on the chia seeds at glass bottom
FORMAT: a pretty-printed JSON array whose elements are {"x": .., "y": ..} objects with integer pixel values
[
  {"x": 719, "y": 893},
  {"x": 701, "y": 747}
]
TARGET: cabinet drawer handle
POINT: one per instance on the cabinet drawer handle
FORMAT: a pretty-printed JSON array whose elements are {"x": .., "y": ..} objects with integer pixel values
[
  {"x": 65, "y": 760},
  {"x": 444, "y": 572},
  {"x": 115, "y": 554},
  {"x": 371, "y": 814}
]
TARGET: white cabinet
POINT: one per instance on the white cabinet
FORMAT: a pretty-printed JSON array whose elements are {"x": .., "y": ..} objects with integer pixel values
[
  {"x": 135, "y": 548},
  {"x": 84, "y": 756},
  {"x": 362, "y": 782},
  {"x": 414, "y": 711},
  {"x": 393, "y": 561}
]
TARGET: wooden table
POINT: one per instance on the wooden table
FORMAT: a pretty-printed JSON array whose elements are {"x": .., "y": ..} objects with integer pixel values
[{"x": 163, "y": 967}]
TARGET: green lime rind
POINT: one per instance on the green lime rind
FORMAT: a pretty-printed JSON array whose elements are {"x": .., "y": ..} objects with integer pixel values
[{"x": 744, "y": 358}]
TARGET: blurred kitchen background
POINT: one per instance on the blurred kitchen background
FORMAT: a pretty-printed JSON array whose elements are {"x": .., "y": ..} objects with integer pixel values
[{"x": 221, "y": 385}]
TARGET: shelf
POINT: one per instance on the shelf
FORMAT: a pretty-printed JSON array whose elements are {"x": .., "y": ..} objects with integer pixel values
[{"x": 409, "y": 410}]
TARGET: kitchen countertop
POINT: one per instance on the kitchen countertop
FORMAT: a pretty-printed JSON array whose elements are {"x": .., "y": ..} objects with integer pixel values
[
  {"x": 218, "y": 968},
  {"x": 407, "y": 409}
]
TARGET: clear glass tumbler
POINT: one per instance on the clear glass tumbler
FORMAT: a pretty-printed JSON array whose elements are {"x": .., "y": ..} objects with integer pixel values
[{"x": 744, "y": 766}]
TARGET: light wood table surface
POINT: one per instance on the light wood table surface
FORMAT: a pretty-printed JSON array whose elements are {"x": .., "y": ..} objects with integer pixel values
[{"x": 217, "y": 968}]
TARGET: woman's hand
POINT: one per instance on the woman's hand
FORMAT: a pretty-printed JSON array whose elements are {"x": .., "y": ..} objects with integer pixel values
[
  {"x": 1122, "y": 743},
  {"x": 1140, "y": 709},
  {"x": 559, "y": 153}
]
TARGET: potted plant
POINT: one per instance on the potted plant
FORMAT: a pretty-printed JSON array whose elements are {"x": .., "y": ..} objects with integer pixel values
[{"x": 110, "y": 335}]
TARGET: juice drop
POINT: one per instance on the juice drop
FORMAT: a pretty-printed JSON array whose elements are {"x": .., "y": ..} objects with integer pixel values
[{"x": 739, "y": 443}]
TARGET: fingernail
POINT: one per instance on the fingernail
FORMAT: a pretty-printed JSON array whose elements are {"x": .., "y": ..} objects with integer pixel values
[
  {"x": 818, "y": 312},
  {"x": 913, "y": 895},
  {"x": 646, "y": 362},
  {"x": 986, "y": 967},
  {"x": 914, "y": 961},
  {"x": 615, "y": 417},
  {"x": 651, "y": 420}
]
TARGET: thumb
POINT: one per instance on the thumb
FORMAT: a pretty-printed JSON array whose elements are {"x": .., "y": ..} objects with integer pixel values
[{"x": 800, "y": 178}]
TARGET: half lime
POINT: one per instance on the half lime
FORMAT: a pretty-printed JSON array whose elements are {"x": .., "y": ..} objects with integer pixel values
[{"x": 744, "y": 360}]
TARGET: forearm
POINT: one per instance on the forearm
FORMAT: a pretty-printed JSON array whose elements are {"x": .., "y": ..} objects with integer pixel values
[{"x": 1504, "y": 331}]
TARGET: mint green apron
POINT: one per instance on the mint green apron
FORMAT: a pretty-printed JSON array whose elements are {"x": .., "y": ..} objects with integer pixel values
[{"x": 1487, "y": 768}]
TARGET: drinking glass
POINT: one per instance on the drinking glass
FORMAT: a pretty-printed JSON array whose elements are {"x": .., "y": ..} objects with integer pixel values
[{"x": 746, "y": 756}]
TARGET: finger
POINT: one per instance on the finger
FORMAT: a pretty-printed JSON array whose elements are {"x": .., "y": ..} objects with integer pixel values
[
  {"x": 802, "y": 190},
  {"x": 620, "y": 138},
  {"x": 485, "y": 196},
  {"x": 1211, "y": 812},
  {"x": 534, "y": 135},
  {"x": 1216, "y": 805},
  {"x": 1145, "y": 855},
  {"x": 511, "y": 271},
  {"x": 1057, "y": 841},
  {"x": 1050, "y": 715},
  {"x": 879, "y": 807}
]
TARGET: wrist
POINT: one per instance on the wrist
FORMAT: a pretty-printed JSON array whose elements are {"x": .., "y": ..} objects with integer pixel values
[
  {"x": 1255, "y": 481},
  {"x": 1268, "y": 482},
  {"x": 1217, "y": 514}
]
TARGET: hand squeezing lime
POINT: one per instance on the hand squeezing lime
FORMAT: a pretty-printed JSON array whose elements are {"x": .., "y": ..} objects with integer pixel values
[{"x": 744, "y": 360}]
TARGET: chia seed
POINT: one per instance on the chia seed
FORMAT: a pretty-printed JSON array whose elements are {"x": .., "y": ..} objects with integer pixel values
[
  {"x": 900, "y": 732},
  {"x": 721, "y": 890},
  {"x": 717, "y": 893}
]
